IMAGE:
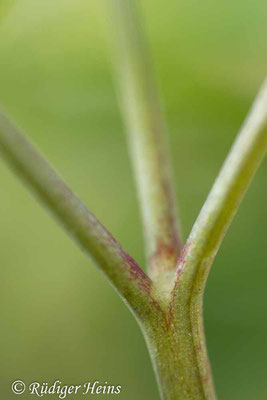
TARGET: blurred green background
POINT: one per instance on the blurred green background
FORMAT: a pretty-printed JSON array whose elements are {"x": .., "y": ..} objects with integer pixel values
[{"x": 60, "y": 319}]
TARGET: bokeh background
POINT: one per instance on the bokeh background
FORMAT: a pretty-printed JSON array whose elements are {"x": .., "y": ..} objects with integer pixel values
[{"x": 60, "y": 319}]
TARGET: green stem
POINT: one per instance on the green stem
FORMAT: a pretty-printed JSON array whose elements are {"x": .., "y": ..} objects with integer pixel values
[
  {"x": 176, "y": 339},
  {"x": 141, "y": 109},
  {"x": 209, "y": 230},
  {"x": 224, "y": 199},
  {"x": 122, "y": 271},
  {"x": 170, "y": 319}
]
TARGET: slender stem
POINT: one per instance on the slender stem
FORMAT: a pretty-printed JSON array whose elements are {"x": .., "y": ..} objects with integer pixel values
[
  {"x": 123, "y": 272},
  {"x": 173, "y": 323},
  {"x": 212, "y": 224},
  {"x": 146, "y": 140}
]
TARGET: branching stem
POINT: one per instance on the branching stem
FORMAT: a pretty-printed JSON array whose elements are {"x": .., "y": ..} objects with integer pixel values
[
  {"x": 147, "y": 140},
  {"x": 168, "y": 307}
]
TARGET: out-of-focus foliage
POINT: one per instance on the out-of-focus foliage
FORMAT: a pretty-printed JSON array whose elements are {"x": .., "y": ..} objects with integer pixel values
[{"x": 59, "y": 317}]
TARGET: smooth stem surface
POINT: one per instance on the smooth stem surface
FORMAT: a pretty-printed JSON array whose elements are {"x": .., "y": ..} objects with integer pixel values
[
  {"x": 229, "y": 188},
  {"x": 176, "y": 340},
  {"x": 209, "y": 230},
  {"x": 172, "y": 351},
  {"x": 123, "y": 272},
  {"x": 171, "y": 320},
  {"x": 146, "y": 132}
]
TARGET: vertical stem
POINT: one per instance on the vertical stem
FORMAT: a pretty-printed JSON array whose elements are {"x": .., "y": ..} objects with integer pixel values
[
  {"x": 172, "y": 349},
  {"x": 146, "y": 131},
  {"x": 208, "y": 232}
]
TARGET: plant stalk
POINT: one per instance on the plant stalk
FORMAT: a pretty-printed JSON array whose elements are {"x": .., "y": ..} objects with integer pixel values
[
  {"x": 125, "y": 275},
  {"x": 208, "y": 232},
  {"x": 147, "y": 140},
  {"x": 172, "y": 349},
  {"x": 170, "y": 315}
]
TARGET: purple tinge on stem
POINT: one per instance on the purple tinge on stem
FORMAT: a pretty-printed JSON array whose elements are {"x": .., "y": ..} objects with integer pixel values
[{"x": 137, "y": 273}]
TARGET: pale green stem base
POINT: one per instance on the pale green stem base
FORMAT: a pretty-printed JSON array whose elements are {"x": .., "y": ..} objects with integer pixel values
[{"x": 179, "y": 355}]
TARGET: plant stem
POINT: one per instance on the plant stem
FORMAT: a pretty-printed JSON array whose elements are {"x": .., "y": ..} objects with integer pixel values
[
  {"x": 176, "y": 338},
  {"x": 209, "y": 230},
  {"x": 171, "y": 319},
  {"x": 122, "y": 271},
  {"x": 141, "y": 109},
  {"x": 171, "y": 348},
  {"x": 224, "y": 199}
]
